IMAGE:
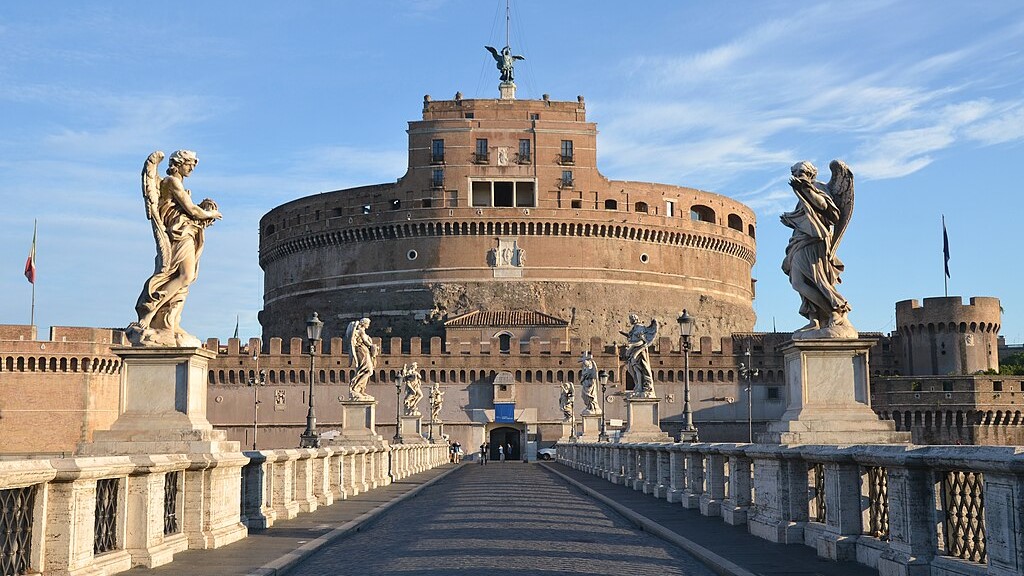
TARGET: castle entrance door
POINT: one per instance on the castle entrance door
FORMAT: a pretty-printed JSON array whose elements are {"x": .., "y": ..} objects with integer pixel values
[{"x": 506, "y": 436}]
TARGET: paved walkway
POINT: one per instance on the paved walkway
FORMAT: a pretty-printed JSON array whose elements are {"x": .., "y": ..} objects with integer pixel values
[{"x": 510, "y": 518}]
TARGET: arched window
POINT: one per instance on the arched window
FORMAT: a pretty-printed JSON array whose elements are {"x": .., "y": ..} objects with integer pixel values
[
  {"x": 735, "y": 222},
  {"x": 504, "y": 342},
  {"x": 640, "y": 207},
  {"x": 702, "y": 213},
  {"x": 611, "y": 204}
]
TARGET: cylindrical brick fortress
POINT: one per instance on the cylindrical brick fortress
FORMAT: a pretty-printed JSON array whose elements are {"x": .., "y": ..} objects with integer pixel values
[
  {"x": 945, "y": 337},
  {"x": 503, "y": 208}
]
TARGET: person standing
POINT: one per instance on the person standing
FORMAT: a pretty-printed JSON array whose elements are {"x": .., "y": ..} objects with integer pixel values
[{"x": 501, "y": 453}]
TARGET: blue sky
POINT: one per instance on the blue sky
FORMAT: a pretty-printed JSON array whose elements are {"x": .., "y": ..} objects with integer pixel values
[{"x": 924, "y": 100}]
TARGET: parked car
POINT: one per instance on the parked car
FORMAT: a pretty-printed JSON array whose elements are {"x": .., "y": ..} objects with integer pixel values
[{"x": 547, "y": 453}]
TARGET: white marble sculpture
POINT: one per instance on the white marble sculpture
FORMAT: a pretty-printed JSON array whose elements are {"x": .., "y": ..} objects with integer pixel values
[
  {"x": 566, "y": 401},
  {"x": 410, "y": 376},
  {"x": 362, "y": 353},
  {"x": 178, "y": 225},
  {"x": 436, "y": 399},
  {"x": 588, "y": 382},
  {"x": 637, "y": 356},
  {"x": 819, "y": 220}
]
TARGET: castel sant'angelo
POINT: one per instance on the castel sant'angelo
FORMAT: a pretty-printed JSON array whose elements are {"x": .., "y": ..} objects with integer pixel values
[{"x": 503, "y": 209}]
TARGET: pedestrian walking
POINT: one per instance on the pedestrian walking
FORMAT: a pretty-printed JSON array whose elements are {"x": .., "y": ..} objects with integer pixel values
[
  {"x": 483, "y": 454},
  {"x": 501, "y": 452}
]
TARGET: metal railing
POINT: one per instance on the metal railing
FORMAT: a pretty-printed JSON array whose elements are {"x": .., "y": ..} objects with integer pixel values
[{"x": 16, "y": 512}]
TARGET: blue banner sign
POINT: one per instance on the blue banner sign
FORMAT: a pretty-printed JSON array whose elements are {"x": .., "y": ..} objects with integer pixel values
[{"x": 505, "y": 412}]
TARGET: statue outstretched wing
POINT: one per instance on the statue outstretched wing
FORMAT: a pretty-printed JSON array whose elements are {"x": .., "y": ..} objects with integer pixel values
[
  {"x": 494, "y": 52},
  {"x": 840, "y": 187},
  {"x": 151, "y": 198},
  {"x": 651, "y": 332}
]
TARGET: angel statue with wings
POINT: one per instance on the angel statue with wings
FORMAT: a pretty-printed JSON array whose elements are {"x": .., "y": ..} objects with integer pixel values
[
  {"x": 410, "y": 376},
  {"x": 505, "y": 62},
  {"x": 361, "y": 352},
  {"x": 566, "y": 401},
  {"x": 819, "y": 220},
  {"x": 637, "y": 356},
  {"x": 178, "y": 225}
]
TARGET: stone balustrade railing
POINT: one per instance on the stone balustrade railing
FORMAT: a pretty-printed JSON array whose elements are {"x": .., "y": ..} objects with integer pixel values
[
  {"x": 103, "y": 515},
  {"x": 902, "y": 509}
]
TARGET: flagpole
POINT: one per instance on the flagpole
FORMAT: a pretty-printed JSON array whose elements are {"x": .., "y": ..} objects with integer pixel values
[
  {"x": 945, "y": 258},
  {"x": 32, "y": 314}
]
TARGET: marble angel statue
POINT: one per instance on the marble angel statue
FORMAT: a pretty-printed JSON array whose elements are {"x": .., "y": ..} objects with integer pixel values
[
  {"x": 178, "y": 224},
  {"x": 637, "y": 355},
  {"x": 410, "y": 376},
  {"x": 362, "y": 352},
  {"x": 820, "y": 219}
]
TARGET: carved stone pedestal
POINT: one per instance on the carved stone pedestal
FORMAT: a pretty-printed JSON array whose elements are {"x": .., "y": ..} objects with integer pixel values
[
  {"x": 358, "y": 424},
  {"x": 568, "y": 433},
  {"x": 591, "y": 427},
  {"x": 829, "y": 401},
  {"x": 412, "y": 430},
  {"x": 507, "y": 90},
  {"x": 643, "y": 421},
  {"x": 163, "y": 411}
]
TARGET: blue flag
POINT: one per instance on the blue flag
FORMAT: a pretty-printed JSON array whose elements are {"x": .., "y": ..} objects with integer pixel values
[{"x": 945, "y": 246}]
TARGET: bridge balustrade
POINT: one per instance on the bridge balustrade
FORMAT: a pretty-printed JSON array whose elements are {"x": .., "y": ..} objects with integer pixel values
[
  {"x": 901, "y": 509},
  {"x": 104, "y": 515}
]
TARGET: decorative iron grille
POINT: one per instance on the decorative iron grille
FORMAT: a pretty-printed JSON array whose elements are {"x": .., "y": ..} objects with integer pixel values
[
  {"x": 818, "y": 488},
  {"x": 105, "y": 535},
  {"x": 171, "y": 502},
  {"x": 16, "y": 506},
  {"x": 963, "y": 503},
  {"x": 878, "y": 502}
]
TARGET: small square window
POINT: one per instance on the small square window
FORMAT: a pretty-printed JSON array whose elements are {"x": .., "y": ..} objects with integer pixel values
[
  {"x": 773, "y": 393},
  {"x": 997, "y": 386},
  {"x": 577, "y": 204},
  {"x": 396, "y": 204},
  {"x": 366, "y": 208},
  {"x": 534, "y": 116}
]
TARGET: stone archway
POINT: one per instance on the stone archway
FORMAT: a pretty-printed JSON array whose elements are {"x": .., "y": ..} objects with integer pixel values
[{"x": 505, "y": 436}]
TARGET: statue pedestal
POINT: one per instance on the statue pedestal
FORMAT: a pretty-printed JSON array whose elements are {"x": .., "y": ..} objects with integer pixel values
[
  {"x": 436, "y": 433},
  {"x": 507, "y": 90},
  {"x": 591, "y": 427},
  {"x": 412, "y": 430},
  {"x": 163, "y": 411},
  {"x": 358, "y": 423},
  {"x": 643, "y": 421},
  {"x": 568, "y": 434},
  {"x": 829, "y": 397}
]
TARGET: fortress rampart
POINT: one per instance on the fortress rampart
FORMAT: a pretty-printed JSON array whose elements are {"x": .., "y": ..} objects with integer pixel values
[{"x": 944, "y": 336}]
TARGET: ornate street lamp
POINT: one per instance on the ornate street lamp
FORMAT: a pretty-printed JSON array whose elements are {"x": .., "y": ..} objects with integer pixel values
[
  {"x": 310, "y": 438},
  {"x": 602, "y": 378},
  {"x": 398, "y": 411},
  {"x": 747, "y": 371},
  {"x": 689, "y": 431},
  {"x": 259, "y": 378}
]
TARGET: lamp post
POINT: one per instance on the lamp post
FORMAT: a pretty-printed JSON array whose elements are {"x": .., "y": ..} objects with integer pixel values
[
  {"x": 259, "y": 378},
  {"x": 398, "y": 411},
  {"x": 748, "y": 371},
  {"x": 310, "y": 438},
  {"x": 689, "y": 431},
  {"x": 602, "y": 378}
]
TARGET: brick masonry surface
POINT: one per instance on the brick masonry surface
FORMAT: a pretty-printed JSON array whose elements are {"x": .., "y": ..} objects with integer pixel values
[{"x": 509, "y": 518}]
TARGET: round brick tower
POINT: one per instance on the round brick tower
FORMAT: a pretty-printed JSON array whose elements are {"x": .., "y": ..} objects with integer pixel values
[
  {"x": 945, "y": 337},
  {"x": 503, "y": 208}
]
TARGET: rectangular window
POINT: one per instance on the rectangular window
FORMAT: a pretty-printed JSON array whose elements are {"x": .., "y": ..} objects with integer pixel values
[
  {"x": 534, "y": 116},
  {"x": 396, "y": 204},
  {"x": 504, "y": 194},
  {"x": 997, "y": 386},
  {"x": 670, "y": 208},
  {"x": 566, "y": 178},
  {"x": 567, "y": 155},
  {"x": 469, "y": 115},
  {"x": 577, "y": 204},
  {"x": 481, "y": 193},
  {"x": 437, "y": 178},
  {"x": 427, "y": 203},
  {"x": 525, "y": 195},
  {"x": 481, "y": 151},
  {"x": 524, "y": 151},
  {"x": 437, "y": 151},
  {"x": 773, "y": 393},
  {"x": 453, "y": 198},
  {"x": 947, "y": 386}
]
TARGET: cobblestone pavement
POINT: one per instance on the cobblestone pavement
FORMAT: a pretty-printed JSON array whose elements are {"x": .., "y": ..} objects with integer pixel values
[{"x": 510, "y": 518}]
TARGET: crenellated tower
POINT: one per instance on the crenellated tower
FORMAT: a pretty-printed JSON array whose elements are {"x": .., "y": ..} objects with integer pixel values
[{"x": 945, "y": 337}]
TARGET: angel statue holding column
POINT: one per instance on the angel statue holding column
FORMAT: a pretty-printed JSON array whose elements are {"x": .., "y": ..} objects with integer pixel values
[
  {"x": 178, "y": 224},
  {"x": 820, "y": 219}
]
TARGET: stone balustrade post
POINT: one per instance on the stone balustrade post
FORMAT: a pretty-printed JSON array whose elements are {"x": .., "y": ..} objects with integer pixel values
[
  {"x": 843, "y": 508},
  {"x": 736, "y": 507},
  {"x": 257, "y": 476},
  {"x": 304, "y": 495},
  {"x": 677, "y": 474},
  {"x": 285, "y": 505},
  {"x": 694, "y": 479},
  {"x": 780, "y": 482},
  {"x": 322, "y": 475},
  {"x": 912, "y": 520},
  {"x": 714, "y": 477},
  {"x": 649, "y": 459},
  {"x": 145, "y": 538},
  {"x": 1004, "y": 522},
  {"x": 664, "y": 471}
]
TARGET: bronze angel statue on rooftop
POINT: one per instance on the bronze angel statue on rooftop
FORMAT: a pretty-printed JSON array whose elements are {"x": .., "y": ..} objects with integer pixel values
[
  {"x": 820, "y": 219},
  {"x": 505, "y": 61},
  {"x": 178, "y": 224}
]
